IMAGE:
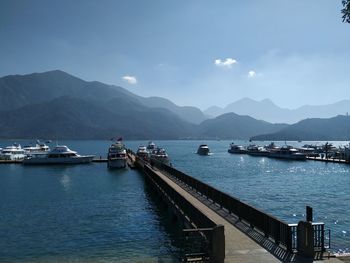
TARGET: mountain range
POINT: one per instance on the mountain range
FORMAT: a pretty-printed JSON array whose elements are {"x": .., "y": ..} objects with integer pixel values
[
  {"x": 57, "y": 105},
  {"x": 314, "y": 129},
  {"x": 20, "y": 90},
  {"x": 268, "y": 111}
]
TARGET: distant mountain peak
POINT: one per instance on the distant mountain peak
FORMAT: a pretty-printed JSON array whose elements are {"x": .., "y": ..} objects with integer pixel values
[
  {"x": 267, "y": 101},
  {"x": 245, "y": 99}
]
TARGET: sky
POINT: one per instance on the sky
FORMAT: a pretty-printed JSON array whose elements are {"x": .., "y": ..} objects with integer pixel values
[{"x": 193, "y": 52}]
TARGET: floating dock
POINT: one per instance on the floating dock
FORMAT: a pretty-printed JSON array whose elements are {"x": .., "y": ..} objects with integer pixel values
[
  {"x": 328, "y": 160},
  {"x": 99, "y": 160}
]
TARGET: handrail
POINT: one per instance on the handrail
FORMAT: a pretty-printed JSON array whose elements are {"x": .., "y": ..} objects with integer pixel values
[
  {"x": 211, "y": 233},
  {"x": 319, "y": 235}
]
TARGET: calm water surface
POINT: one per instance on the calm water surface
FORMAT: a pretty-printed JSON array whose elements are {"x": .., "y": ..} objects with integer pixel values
[{"x": 90, "y": 213}]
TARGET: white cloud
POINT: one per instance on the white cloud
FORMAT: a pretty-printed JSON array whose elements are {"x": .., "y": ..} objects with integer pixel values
[
  {"x": 252, "y": 74},
  {"x": 130, "y": 79},
  {"x": 225, "y": 63}
]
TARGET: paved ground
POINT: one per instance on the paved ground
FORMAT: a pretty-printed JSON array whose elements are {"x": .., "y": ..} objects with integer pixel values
[
  {"x": 242, "y": 243},
  {"x": 345, "y": 259}
]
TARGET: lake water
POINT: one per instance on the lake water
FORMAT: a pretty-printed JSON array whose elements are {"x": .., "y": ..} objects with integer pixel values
[{"x": 89, "y": 213}]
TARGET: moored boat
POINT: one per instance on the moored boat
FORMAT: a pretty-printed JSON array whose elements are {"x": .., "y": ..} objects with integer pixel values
[
  {"x": 37, "y": 149},
  {"x": 308, "y": 151},
  {"x": 142, "y": 153},
  {"x": 116, "y": 155},
  {"x": 151, "y": 146},
  {"x": 160, "y": 155},
  {"x": 203, "y": 149},
  {"x": 13, "y": 152},
  {"x": 237, "y": 149},
  {"x": 256, "y": 150},
  {"x": 60, "y": 154},
  {"x": 287, "y": 152}
]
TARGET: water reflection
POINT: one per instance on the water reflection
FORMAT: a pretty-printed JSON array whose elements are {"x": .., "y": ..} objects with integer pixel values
[{"x": 66, "y": 182}]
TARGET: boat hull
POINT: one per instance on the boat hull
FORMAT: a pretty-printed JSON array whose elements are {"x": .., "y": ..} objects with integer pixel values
[
  {"x": 262, "y": 153},
  {"x": 60, "y": 160},
  {"x": 237, "y": 151},
  {"x": 116, "y": 163},
  {"x": 300, "y": 157},
  {"x": 12, "y": 157},
  {"x": 203, "y": 151}
]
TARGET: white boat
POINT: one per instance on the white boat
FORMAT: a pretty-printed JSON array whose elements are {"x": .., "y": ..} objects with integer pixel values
[
  {"x": 160, "y": 155},
  {"x": 142, "y": 152},
  {"x": 39, "y": 148},
  {"x": 287, "y": 152},
  {"x": 60, "y": 154},
  {"x": 13, "y": 152},
  {"x": 203, "y": 149},
  {"x": 237, "y": 149},
  {"x": 256, "y": 150},
  {"x": 116, "y": 155},
  {"x": 308, "y": 151},
  {"x": 151, "y": 146}
]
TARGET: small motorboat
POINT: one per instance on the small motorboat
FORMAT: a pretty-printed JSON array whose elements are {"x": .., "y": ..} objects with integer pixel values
[
  {"x": 237, "y": 149},
  {"x": 203, "y": 149}
]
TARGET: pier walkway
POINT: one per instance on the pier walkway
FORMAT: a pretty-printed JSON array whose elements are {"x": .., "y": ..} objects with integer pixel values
[
  {"x": 238, "y": 247},
  {"x": 241, "y": 241}
]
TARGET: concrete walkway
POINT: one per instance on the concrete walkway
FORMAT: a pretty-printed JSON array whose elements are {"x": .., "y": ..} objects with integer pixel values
[{"x": 242, "y": 243}]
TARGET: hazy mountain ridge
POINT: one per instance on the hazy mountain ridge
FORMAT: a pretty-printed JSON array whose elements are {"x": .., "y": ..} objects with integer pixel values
[
  {"x": 320, "y": 129},
  {"x": 72, "y": 118},
  {"x": 58, "y": 105},
  {"x": 21, "y": 90},
  {"x": 234, "y": 126},
  {"x": 268, "y": 111}
]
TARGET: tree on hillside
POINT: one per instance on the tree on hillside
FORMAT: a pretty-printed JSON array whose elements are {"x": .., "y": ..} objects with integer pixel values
[{"x": 346, "y": 11}]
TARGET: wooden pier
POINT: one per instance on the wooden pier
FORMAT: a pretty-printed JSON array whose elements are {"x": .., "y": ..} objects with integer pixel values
[{"x": 232, "y": 230}]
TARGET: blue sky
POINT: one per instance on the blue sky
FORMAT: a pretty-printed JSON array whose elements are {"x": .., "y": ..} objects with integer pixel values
[{"x": 193, "y": 52}]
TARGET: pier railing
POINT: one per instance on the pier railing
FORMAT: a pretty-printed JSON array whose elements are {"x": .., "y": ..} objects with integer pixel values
[
  {"x": 271, "y": 226},
  {"x": 320, "y": 234},
  {"x": 211, "y": 236}
]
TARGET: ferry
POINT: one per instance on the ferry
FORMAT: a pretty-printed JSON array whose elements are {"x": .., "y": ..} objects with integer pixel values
[
  {"x": 308, "y": 151},
  {"x": 116, "y": 155},
  {"x": 203, "y": 149},
  {"x": 160, "y": 155},
  {"x": 37, "y": 149},
  {"x": 237, "y": 149},
  {"x": 287, "y": 152},
  {"x": 13, "y": 152},
  {"x": 142, "y": 153},
  {"x": 256, "y": 150},
  {"x": 151, "y": 146},
  {"x": 60, "y": 154}
]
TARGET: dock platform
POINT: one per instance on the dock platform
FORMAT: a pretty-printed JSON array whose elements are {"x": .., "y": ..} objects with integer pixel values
[{"x": 328, "y": 160}]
